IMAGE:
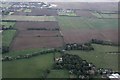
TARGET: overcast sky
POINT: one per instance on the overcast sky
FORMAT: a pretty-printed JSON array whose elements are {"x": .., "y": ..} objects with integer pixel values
[{"x": 64, "y": 0}]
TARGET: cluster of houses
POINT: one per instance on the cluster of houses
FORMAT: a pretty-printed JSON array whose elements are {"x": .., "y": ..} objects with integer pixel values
[
  {"x": 14, "y": 6},
  {"x": 83, "y": 69}
]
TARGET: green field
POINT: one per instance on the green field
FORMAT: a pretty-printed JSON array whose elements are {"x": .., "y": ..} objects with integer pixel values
[
  {"x": 103, "y": 23},
  {"x": 103, "y": 15},
  {"x": 58, "y": 74},
  {"x": 8, "y": 37},
  {"x": 98, "y": 15},
  {"x": 72, "y": 22},
  {"x": 35, "y": 67},
  {"x": 7, "y": 24},
  {"x": 109, "y": 15},
  {"x": 22, "y": 52},
  {"x": 99, "y": 57},
  {"x": 66, "y": 14},
  {"x": 28, "y": 68},
  {"x": 83, "y": 23},
  {"x": 27, "y": 10}
]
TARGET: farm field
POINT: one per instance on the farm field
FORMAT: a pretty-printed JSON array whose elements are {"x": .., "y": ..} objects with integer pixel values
[
  {"x": 66, "y": 13},
  {"x": 27, "y": 10},
  {"x": 22, "y": 52},
  {"x": 8, "y": 37},
  {"x": 28, "y": 68},
  {"x": 84, "y": 29},
  {"x": 59, "y": 40},
  {"x": 7, "y": 24},
  {"x": 28, "y": 18},
  {"x": 106, "y": 16},
  {"x": 108, "y": 6},
  {"x": 58, "y": 74},
  {"x": 37, "y": 12},
  {"x": 37, "y": 38},
  {"x": 85, "y": 13},
  {"x": 100, "y": 56}
]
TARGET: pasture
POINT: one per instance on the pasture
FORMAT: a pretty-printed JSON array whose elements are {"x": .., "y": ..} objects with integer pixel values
[
  {"x": 106, "y": 15},
  {"x": 7, "y": 37},
  {"x": 58, "y": 74},
  {"x": 7, "y": 24},
  {"x": 85, "y": 13},
  {"x": 100, "y": 56},
  {"x": 66, "y": 13},
  {"x": 28, "y": 68},
  {"x": 22, "y": 52}
]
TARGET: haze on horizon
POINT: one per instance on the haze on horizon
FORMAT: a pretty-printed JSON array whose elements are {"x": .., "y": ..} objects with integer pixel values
[{"x": 61, "y": 0}]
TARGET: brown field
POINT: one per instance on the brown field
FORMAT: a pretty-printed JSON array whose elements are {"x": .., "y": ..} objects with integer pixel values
[
  {"x": 19, "y": 13},
  {"x": 21, "y": 43},
  {"x": 42, "y": 12},
  {"x": 27, "y": 39},
  {"x": 85, "y": 35},
  {"x": 38, "y": 12},
  {"x": 45, "y": 24}
]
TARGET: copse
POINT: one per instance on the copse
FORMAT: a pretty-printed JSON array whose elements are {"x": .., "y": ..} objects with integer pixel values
[{"x": 77, "y": 46}]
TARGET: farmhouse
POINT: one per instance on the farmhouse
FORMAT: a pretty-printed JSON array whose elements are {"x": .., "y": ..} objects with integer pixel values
[
  {"x": 59, "y": 59},
  {"x": 114, "y": 76}
]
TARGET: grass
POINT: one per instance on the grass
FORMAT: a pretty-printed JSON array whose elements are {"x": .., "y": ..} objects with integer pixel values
[
  {"x": 86, "y": 23},
  {"x": 66, "y": 14},
  {"x": 29, "y": 18},
  {"x": 22, "y": 52},
  {"x": 58, "y": 74},
  {"x": 103, "y": 15},
  {"x": 8, "y": 37},
  {"x": 28, "y": 68},
  {"x": 99, "y": 57},
  {"x": 98, "y": 15},
  {"x": 109, "y": 15},
  {"x": 7, "y": 24},
  {"x": 103, "y": 23},
  {"x": 71, "y": 22},
  {"x": 27, "y": 10}
]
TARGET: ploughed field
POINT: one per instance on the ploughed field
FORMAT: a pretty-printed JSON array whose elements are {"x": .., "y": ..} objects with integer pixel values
[{"x": 27, "y": 39}]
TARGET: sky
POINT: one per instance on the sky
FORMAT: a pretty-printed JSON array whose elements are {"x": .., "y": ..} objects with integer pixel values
[{"x": 63, "y": 0}]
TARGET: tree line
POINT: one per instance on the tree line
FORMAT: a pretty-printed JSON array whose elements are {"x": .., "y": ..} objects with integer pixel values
[
  {"x": 78, "y": 46},
  {"x": 45, "y": 29}
]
